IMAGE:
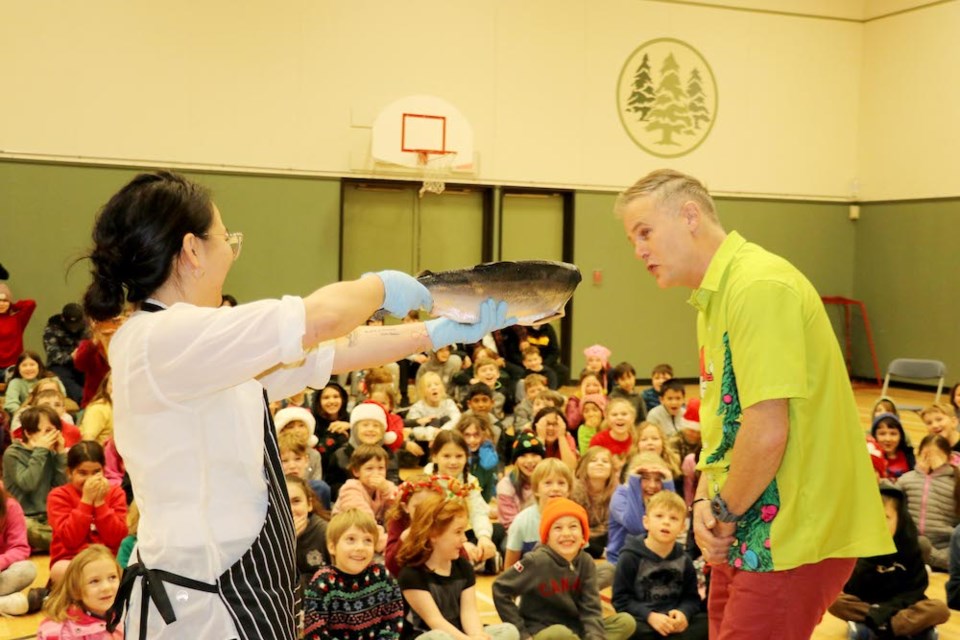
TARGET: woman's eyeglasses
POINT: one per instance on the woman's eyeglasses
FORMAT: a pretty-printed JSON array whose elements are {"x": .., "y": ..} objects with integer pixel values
[{"x": 235, "y": 240}]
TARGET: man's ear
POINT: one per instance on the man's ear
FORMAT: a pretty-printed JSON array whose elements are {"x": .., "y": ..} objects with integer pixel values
[{"x": 691, "y": 215}]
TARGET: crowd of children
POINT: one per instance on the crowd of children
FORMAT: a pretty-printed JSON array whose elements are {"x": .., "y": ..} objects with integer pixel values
[{"x": 558, "y": 497}]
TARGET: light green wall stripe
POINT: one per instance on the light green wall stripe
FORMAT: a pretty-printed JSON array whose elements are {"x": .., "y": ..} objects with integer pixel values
[
  {"x": 906, "y": 271},
  {"x": 290, "y": 225}
]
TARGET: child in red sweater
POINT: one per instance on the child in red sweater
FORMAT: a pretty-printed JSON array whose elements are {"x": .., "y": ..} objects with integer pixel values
[{"x": 87, "y": 510}]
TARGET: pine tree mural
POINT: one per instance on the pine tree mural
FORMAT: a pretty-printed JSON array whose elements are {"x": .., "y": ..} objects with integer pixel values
[
  {"x": 697, "y": 104},
  {"x": 641, "y": 99},
  {"x": 669, "y": 113}
]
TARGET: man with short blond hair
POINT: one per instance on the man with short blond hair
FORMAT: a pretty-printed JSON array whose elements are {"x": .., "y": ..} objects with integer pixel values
[{"x": 787, "y": 498}]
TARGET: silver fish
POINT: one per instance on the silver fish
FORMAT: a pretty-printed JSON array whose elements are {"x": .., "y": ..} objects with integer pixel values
[{"x": 536, "y": 291}]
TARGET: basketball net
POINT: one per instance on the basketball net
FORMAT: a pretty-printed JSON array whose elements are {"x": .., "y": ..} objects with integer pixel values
[{"x": 435, "y": 167}]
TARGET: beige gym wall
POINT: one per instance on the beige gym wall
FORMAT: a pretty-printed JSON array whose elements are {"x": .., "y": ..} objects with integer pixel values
[{"x": 295, "y": 86}]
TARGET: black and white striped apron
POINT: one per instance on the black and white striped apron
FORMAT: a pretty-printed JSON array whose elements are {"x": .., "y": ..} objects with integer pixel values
[{"x": 258, "y": 589}]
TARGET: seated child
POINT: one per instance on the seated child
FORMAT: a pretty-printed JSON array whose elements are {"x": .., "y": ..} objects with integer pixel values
[
  {"x": 660, "y": 374},
  {"x": 892, "y": 440},
  {"x": 55, "y": 400},
  {"x": 386, "y": 397},
  {"x": 884, "y": 405},
  {"x": 551, "y": 427},
  {"x": 656, "y": 582},
  {"x": 617, "y": 432},
  {"x": 354, "y": 598},
  {"x": 669, "y": 413},
  {"x": 78, "y": 604},
  {"x": 932, "y": 499},
  {"x": 28, "y": 372},
  {"x": 886, "y": 594},
  {"x": 433, "y": 411},
  {"x": 625, "y": 386},
  {"x": 483, "y": 461},
  {"x": 97, "y": 422},
  {"x": 528, "y": 389},
  {"x": 368, "y": 425},
  {"x": 310, "y": 525},
  {"x": 598, "y": 361},
  {"x": 533, "y": 363},
  {"x": 556, "y": 584},
  {"x": 592, "y": 409},
  {"x": 86, "y": 510},
  {"x": 687, "y": 445},
  {"x": 551, "y": 479},
  {"x": 487, "y": 370},
  {"x": 648, "y": 475},
  {"x": 514, "y": 491},
  {"x": 445, "y": 364},
  {"x": 369, "y": 491},
  {"x": 33, "y": 467},
  {"x": 437, "y": 583},
  {"x": 295, "y": 461},
  {"x": 17, "y": 572},
  {"x": 940, "y": 420},
  {"x": 300, "y": 420},
  {"x": 410, "y": 494},
  {"x": 590, "y": 385},
  {"x": 128, "y": 543},
  {"x": 650, "y": 439},
  {"x": 332, "y": 419},
  {"x": 594, "y": 483},
  {"x": 479, "y": 399}
]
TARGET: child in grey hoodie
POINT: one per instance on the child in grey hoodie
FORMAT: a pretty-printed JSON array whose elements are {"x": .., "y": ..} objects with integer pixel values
[{"x": 557, "y": 584}]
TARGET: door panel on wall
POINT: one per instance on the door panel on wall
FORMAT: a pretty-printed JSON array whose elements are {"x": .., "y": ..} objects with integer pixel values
[
  {"x": 450, "y": 226},
  {"x": 378, "y": 230},
  {"x": 390, "y": 227},
  {"x": 531, "y": 227}
]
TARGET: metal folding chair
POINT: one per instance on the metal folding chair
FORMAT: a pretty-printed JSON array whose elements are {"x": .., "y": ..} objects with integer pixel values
[{"x": 912, "y": 369}]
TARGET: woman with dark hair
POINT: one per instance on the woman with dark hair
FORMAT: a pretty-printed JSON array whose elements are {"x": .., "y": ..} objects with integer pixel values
[{"x": 190, "y": 386}]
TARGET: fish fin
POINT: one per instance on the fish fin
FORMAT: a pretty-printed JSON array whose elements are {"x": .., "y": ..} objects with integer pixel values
[{"x": 550, "y": 318}]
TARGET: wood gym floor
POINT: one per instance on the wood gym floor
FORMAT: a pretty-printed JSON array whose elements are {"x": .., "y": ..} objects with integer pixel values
[{"x": 830, "y": 628}]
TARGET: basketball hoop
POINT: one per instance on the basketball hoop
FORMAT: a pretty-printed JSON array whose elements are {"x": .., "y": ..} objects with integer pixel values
[{"x": 435, "y": 168}]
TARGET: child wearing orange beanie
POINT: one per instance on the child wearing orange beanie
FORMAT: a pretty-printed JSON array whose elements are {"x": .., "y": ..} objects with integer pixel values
[{"x": 557, "y": 583}]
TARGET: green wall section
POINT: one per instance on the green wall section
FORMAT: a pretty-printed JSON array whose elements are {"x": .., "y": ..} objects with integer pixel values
[
  {"x": 645, "y": 325},
  {"x": 290, "y": 226},
  {"x": 906, "y": 272},
  {"x": 901, "y": 268}
]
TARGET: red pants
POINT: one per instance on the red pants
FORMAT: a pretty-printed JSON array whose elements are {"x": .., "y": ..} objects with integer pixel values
[{"x": 781, "y": 605}]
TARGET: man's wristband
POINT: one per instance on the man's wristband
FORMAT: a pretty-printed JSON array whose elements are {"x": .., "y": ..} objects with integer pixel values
[{"x": 694, "y": 503}]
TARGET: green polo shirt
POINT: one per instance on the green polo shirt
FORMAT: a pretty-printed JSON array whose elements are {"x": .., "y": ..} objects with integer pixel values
[{"x": 763, "y": 334}]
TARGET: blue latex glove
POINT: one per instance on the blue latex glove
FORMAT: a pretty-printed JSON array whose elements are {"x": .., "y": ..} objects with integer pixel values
[
  {"x": 493, "y": 316},
  {"x": 403, "y": 293}
]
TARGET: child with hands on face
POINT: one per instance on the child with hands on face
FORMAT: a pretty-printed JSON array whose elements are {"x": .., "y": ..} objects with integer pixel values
[
  {"x": 656, "y": 583},
  {"x": 592, "y": 408},
  {"x": 79, "y": 602},
  {"x": 933, "y": 499},
  {"x": 482, "y": 460},
  {"x": 556, "y": 584},
  {"x": 368, "y": 425},
  {"x": 33, "y": 467},
  {"x": 551, "y": 427},
  {"x": 648, "y": 475},
  {"x": 369, "y": 490},
  {"x": 439, "y": 584},
  {"x": 87, "y": 510}
]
